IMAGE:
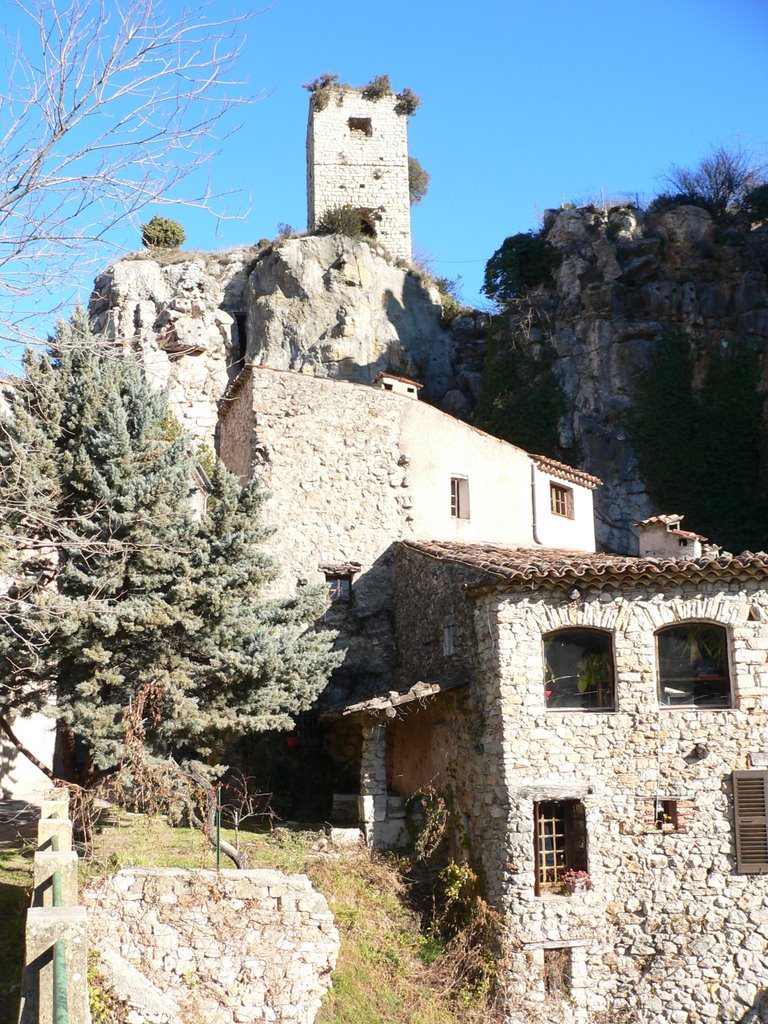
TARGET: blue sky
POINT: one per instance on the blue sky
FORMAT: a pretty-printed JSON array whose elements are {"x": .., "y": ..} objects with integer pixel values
[{"x": 524, "y": 105}]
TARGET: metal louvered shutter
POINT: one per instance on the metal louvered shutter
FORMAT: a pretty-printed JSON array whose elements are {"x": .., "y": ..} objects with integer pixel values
[{"x": 750, "y": 811}]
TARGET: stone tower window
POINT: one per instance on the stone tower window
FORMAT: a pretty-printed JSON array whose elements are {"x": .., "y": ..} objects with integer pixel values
[
  {"x": 361, "y": 126},
  {"x": 579, "y": 670},
  {"x": 693, "y": 666}
]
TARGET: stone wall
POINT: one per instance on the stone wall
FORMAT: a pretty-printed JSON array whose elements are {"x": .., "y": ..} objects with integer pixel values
[
  {"x": 350, "y": 469},
  {"x": 670, "y": 932},
  {"x": 357, "y": 155},
  {"x": 672, "y": 928},
  {"x": 230, "y": 946}
]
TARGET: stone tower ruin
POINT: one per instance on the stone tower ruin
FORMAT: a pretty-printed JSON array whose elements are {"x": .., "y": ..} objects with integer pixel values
[{"x": 357, "y": 155}]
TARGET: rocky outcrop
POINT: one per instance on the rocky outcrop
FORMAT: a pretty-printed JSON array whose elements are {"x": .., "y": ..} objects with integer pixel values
[
  {"x": 179, "y": 312},
  {"x": 328, "y": 306},
  {"x": 625, "y": 278}
]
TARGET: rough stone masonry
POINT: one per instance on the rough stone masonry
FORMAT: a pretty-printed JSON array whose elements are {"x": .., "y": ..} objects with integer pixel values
[{"x": 227, "y": 947}]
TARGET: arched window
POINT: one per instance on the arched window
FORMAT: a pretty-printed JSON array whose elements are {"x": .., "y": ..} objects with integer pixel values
[
  {"x": 693, "y": 665},
  {"x": 579, "y": 672}
]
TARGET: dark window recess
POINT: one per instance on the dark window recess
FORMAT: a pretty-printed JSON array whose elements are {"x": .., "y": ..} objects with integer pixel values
[
  {"x": 339, "y": 589},
  {"x": 361, "y": 126},
  {"x": 241, "y": 322},
  {"x": 666, "y": 814},
  {"x": 693, "y": 666},
  {"x": 561, "y": 500},
  {"x": 557, "y": 972},
  {"x": 578, "y": 670},
  {"x": 750, "y": 813},
  {"x": 561, "y": 842}
]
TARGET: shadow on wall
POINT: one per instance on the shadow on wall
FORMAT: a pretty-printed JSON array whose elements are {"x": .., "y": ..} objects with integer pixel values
[
  {"x": 9, "y": 768},
  {"x": 366, "y": 633},
  {"x": 421, "y": 354},
  {"x": 758, "y": 1011}
]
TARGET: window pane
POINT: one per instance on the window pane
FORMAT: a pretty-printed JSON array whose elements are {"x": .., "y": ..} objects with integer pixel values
[
  {"x": 579, "y": 674},
  {"x": 561, "y": 842},
  {"x": 693, "y": 666}
]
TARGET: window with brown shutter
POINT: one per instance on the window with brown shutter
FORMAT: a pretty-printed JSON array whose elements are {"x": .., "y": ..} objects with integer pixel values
[{"x": 750, "y": 813}]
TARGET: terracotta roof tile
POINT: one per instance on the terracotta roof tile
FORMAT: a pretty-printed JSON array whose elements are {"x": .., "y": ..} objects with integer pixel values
[
  {"x": 563, "y": 472},
  {"x": 551, "y": 567}
]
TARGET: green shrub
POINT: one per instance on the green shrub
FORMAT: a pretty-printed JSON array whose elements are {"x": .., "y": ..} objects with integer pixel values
[
  {"x": 321, "y": 89},
  {"x": 377, "y": 87},
  {"x": 523, "y": 261},
  {"x": 162, "y": 233},
  {"x": 407, "y": 102},
  {"x": 418, "y": 181},
  {"x": 341, "y": 220}
]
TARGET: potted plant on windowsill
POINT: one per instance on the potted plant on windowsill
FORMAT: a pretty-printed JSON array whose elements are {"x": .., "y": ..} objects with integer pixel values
[{"x": 575, "y": 881}]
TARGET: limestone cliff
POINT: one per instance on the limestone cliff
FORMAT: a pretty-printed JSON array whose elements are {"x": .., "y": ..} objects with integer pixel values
[
  {"x": 329, "y": 306},
  {"x": 624, "y": 280}
]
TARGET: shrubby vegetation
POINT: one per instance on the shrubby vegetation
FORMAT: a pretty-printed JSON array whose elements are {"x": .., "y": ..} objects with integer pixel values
[
  {"x": 341, "y": 220},
  {"x": 418, "y": 181},
  {"x": 721, "y": 183},
  {"x": 521, "y": 400},
  {"x": 162, "y": 233},
  {"x": 323, "y": 86},
  {"x": 142, "y": 628},
  {"x": 523, "y": 261},
  {"x": 702, "y": 450}
]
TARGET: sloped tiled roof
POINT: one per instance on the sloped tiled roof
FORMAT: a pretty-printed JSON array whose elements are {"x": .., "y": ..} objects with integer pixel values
[
  {"x": 551, "y": 567},
  {"x": 563, "y": 472}
]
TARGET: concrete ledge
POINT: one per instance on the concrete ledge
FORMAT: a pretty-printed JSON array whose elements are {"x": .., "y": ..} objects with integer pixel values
[
  {"x": 46, "y": 863},
  {"x": 45, "y": 926},
  {"x": 47, "y": 828}
]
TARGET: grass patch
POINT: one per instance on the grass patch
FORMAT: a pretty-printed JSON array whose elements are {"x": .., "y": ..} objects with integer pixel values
[{"x": 15, "y": 895}]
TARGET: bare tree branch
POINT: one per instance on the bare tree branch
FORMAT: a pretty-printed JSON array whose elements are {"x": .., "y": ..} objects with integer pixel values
[{"x": 110, "y": 105}]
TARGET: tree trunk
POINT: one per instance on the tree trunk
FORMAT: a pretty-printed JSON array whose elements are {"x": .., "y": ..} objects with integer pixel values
[{"x": 5, "y": 726}]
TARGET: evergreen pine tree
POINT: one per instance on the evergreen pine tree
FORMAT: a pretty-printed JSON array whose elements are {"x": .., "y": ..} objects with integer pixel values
[{"x": 123, "y": 616}]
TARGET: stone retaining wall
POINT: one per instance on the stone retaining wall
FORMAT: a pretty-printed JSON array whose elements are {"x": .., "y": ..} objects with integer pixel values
[{"x": 231, "y": 946}]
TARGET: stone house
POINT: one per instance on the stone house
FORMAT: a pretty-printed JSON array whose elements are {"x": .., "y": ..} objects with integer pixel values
[{"x": 579, "y": 712}]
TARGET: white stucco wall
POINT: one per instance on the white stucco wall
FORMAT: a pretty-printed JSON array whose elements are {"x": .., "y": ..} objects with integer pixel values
[
  {"x": 555, "y": 531},
  {"x": 19, "y": 778},
  {"x": 498, "y": 475}
]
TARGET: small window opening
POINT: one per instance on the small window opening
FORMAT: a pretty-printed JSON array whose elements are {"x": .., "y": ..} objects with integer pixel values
[
  {"x": 339, "y": 588},
  {"x": 389, "y": 387},
  {"x": 557, "y": 972},
  {"x": 241, "y": 323},
  {"x": 683, "y": 543},
  {"x": 693, "y": 666},
  {"x": 459, "y": 497},
  {"x": 666, "y": 815},
  {"x": 367, "y": 223},
  {"x": 360, "y": 126},
  {"x": 579, "y": 670},
  {"x": 561, "y": 842},
  {"x": 561, "y": 500},
  {"x": 449, "y": 635}
]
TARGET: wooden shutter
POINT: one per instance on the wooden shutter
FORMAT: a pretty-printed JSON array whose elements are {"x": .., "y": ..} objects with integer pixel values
[{"x": 750, "y": 810}]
